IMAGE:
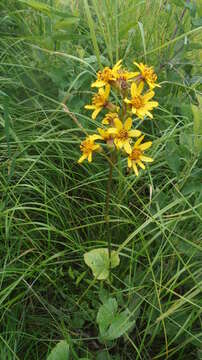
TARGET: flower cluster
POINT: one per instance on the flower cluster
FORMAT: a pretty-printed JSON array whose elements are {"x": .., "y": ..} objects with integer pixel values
[{"x": 135, "y": 96}]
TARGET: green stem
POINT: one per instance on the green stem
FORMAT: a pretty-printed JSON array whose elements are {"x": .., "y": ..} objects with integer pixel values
[{"x": 109, "y": 183}]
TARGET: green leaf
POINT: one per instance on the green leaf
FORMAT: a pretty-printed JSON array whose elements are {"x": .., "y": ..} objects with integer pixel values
[
  {"x": 192, "y": 187},
  {"x": 119, "y": 326},
  {"x": 98, "y": 261},
  {"x": 112, "y": 324},
  {"x": 106, "y": 314},
  {"x": 197, "y": 114},
  {"x": 60, "y": 351}
]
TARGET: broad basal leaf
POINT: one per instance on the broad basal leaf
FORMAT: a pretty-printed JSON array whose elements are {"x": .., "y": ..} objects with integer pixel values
[
  {"x": 98, "y": 261},
  {"x": 113, "y": 324},
  {"x": 60, "y": 351}
]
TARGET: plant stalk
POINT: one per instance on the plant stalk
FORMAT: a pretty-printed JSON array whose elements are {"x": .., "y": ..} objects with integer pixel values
[{"x": 109, "y": 183}]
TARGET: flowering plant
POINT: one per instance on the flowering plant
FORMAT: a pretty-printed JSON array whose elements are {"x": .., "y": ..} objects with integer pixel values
[{"x": 134, "y": 100}]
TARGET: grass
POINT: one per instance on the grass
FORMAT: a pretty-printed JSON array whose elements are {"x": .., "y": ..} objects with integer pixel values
[{"x": 51, "y": 209}]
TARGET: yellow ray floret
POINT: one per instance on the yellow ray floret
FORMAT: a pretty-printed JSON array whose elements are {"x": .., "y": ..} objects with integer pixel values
[
  {"x": 99, "y": 101},
  {"x": 88, "y": 146},
  {"x": 123, "y": 134},
  {"x": 136, "y": 155},
  {"x": 140, "y": 104},
  {"x": 147, "y": 74}
]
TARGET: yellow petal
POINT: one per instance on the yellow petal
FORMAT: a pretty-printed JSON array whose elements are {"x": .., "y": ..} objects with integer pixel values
[
  {"x": 149, "y": 114},
  {"x": 140, "y": 163},
  {"x": 135, "y": 169},
  {"x": 95, "y": 136},
  {"x": 82, "y": 158},
  {"x": 118, "y": 124},
  {"x": 96, "y": 147},
  {"x": 107, "y": 90},
  {"x": 131, "y": 75},
  {"x": 90, "y": 107},
  {"x": 133, "y": 89},
  {"x": 146, "y": 158},
  {"x": 139, "y": 141},
  {"x": 105, "y": 122},
  {"x": 129, "y": 163},
  {"x": 134, "y": 133},
  {"x": 127, "y": 147},
  {"x": 101, "y": 91},
  {"x": 112, "y": 131},
  {"x": 134, "y": 110},
  {"x": 153, "y": 103},
  {"x": 117, "y": 66},
  {"x": 98, "y": 83},
  {"x": 128, "y": 124},
  {"x": 140, "y": 88},
  {"x": 149, "y": 95},
  {"x": 139, "y": 66},
  {"x": 127, "y": 101},
  {"x": 95, "y": 113},
  {"x": 140, "y": 113},
  {"x": 90, "y": 157},
  {"x": 146, "y": 145},
  {"x": 117, "y": 143}
]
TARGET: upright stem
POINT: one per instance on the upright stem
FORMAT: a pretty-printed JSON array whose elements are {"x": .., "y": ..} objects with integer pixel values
[{"x": 109, "y": 183}]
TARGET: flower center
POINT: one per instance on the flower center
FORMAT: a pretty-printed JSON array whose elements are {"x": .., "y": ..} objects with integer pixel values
[
  {"x": 99, "y": 100},
  {"x": 105, "y": 74},
  {"x": 86, "y": 146},
  {"x": 137, "y": 102},
  {"x": 135, "y": 155},
  {"x": 123, "y": 134}
]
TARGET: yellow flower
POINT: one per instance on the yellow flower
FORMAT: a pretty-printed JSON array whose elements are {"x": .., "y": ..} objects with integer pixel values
[
  {"x": 109, "y": 118},
  {"x": 139, "y": 103},
  {"x": 123, "y": 134},
  {"x": 147, "y": 73},
  {"x": 124, "y": 75},
  {"x": 106, "y": 76},
  {"x": 136, "y": 155},
  {"x": 105, "y": 134},
  {"x": 99, "y": 101},
  {"x": 88, "y": 146},
  {"x": 103, "y": 77}
]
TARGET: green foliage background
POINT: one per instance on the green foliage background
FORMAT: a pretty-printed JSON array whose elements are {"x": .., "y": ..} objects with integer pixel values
[{"x": 51, "y": 208}]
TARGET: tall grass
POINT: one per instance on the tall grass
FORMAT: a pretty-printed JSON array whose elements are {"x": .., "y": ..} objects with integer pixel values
[{"x": 51, "y": 208}]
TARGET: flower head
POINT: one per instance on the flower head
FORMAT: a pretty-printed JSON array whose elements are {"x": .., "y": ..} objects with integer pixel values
[
  {"x": 147, "y": 73},
  {"x": 122, "y": 77},
  {"x": 136, "y": 155},
  {"x": 109, "y": 118},
  {"x": 140, "y": 104},
  {"x": 104, "y": 77},
  {"x": 123, "y": 134},
  {"x": 107, "y": 75},
  {"x": 99, "y": 101},
  {"x": 88, "y": 146}
]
